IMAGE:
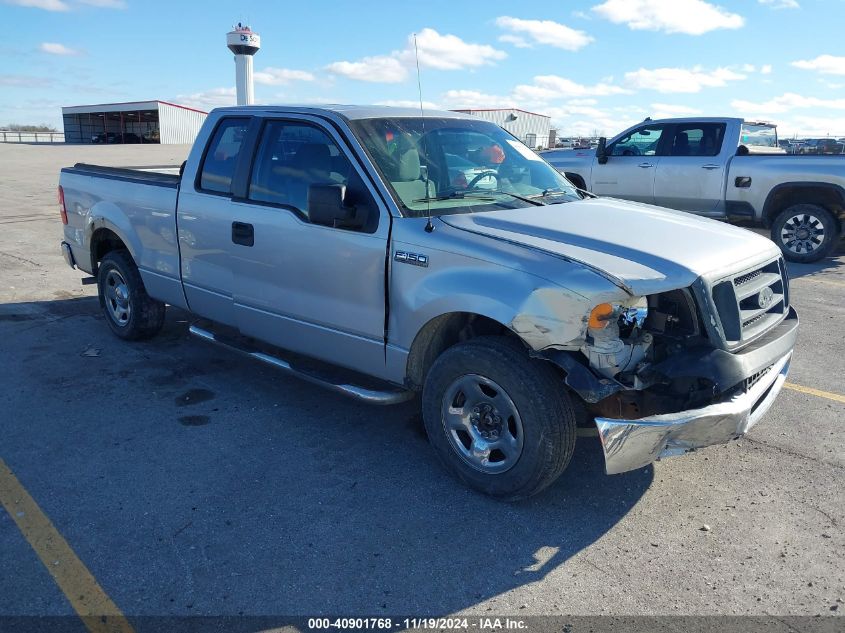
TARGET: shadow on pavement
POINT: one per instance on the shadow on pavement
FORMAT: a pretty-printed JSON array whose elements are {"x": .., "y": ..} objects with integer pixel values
[{"x": 274, "y": 497}]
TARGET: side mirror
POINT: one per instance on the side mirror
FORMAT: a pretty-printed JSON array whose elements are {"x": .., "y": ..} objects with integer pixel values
[
  {"x": 326, "y": 206},
  {"x": 601, "y": 151}
]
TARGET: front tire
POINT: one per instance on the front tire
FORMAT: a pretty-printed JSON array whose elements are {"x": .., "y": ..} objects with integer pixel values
[
  {"x": 805, "y": 232},
  {"x": 130, "y": 312},
  {"x": 501, "y": 422}
]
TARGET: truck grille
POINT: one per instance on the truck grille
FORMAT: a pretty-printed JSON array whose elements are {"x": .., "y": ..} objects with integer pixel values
[{"x": 751, "y": 302}]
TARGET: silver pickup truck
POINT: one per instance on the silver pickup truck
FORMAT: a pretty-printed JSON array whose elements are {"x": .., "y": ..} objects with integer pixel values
[
  {"x": 384, "y": 254},
  {"x": 720, "y": 168}
]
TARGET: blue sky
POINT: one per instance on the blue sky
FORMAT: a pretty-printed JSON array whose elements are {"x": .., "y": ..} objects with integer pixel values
[{"x": 594, "y": 65}]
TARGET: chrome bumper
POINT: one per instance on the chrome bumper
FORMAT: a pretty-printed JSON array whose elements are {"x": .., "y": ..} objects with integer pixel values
[{"x": 632, "y": 444}]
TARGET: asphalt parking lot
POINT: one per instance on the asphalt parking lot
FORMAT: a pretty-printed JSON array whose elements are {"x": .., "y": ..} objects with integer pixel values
[{"x": 189, "y": 481}]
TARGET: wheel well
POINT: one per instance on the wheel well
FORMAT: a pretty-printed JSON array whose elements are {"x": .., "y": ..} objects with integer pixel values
[
  {"x": 103, "y": 242},
  {"x": 576, "y": 180},
  {"x": 830, "y": 198},
  {"x": 443, "y": 332}
]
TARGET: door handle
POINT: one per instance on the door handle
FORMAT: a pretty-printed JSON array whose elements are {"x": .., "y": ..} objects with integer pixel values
[
  {"x": 710, "y": 166},
  {"x": 645, "y": 165},
  {"x": 243, "y": 234}
]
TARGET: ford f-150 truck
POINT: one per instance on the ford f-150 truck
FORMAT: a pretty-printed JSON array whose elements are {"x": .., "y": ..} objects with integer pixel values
[
  {"x": 340, "y": 244},
  {"x": 720, "y": 168}
]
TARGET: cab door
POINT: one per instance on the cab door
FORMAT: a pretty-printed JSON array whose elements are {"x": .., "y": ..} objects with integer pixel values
[
  {"x": 631, "y": 166},
  {"x": 303, "y": 286},
  {"x": 203, "y": 221},
  {"x": 691, "y": 177}
]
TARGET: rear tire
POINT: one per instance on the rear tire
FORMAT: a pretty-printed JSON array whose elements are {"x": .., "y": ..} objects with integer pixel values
[
  {"x": 805, "y": 232},
  {"x": 501, "y": 422},
  {"x": 130, "y": 312}
]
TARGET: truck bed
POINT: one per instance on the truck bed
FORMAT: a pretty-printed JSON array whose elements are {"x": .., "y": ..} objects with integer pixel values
[{"x": 153, "y": 175}]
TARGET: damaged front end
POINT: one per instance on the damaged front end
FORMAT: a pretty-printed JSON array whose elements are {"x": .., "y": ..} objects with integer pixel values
[{"x": 659, "y": 385}]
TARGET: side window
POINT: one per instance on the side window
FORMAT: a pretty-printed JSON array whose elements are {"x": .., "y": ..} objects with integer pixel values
[
  {"x": 291, "y": 157},
  {"x": 218, "y": 166},
  {"x": 698, "y": 139},
  {"x": 644, "y": 141}
]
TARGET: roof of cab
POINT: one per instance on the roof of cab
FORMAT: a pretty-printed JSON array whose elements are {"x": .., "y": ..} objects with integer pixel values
[{"x": 349, "y": 112}]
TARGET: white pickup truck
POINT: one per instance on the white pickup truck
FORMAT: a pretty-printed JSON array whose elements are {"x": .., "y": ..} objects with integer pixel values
[{"x": 721, "y": 168}]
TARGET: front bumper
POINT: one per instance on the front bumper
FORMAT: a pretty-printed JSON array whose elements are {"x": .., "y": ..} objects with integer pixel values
[{"x": 632, "y": 444}]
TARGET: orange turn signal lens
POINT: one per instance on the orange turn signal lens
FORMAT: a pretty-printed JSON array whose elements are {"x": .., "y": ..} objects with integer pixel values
[{"x": 600, "y": 316}]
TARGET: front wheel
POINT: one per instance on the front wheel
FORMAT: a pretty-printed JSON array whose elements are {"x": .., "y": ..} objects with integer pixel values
[
  {"x": 805, "y": 232},
  {"x": 130, "y": 312},
  {"x": 499, "y": 421}
]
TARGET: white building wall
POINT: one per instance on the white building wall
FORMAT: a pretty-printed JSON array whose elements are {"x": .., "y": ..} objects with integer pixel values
[
  {"x": 519, "y": 123},
  {"x": 177, "y": 125}
]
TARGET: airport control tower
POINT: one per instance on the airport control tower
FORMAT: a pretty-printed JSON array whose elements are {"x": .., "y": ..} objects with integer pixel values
[{"x": 244, "y": 44}]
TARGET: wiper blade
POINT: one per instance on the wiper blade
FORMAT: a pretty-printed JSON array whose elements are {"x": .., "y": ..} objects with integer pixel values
[
  {"x": 479, "y": 195},
  {"x": 455, "y": 195},
  {"x": 558, "y": 190}
]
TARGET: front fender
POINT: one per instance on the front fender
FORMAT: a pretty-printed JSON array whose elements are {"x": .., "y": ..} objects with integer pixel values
[{"x": 540, "y": 312}]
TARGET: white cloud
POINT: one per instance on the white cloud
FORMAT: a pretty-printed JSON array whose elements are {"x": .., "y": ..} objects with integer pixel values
[
  {"x": 380, "y": 69},
  {"x": 449, "y": 52},
  {"x": 209, "y": 99},
  {"x": 543, "y": 32},
  {"x": 409, "y": 103},
  {"x": 443, "y": 52},
  {"x": 280, "y": 76},
  {"x": 825, "y": 64},
  {"x": 47, "y": 5},
  {"x": 787, "y": 102},
  {"x": 811, "y": 126},
  {"x": 780, "y": 4},
  {"x": 516, "y": 40},
  {"x": 671, "y": 110},
  {"x": 548, "y": 87},
  {"x": 766, "y": 69},
  {"x": 686, "y": 80},
  {"x": 54, "y": 48},
  {"x": 692, "y": 17},
  {"x": 465, "y": 99}
]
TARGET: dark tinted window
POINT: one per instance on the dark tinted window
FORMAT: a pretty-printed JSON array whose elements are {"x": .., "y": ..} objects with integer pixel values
[
  {"x": 222, "y": 155},
  {"x": 291, "y": 157},
  {"x": 698, "y": 139}
]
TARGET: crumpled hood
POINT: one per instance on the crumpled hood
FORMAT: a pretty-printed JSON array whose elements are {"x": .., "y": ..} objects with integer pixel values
[{"x": 648, "y": 248}]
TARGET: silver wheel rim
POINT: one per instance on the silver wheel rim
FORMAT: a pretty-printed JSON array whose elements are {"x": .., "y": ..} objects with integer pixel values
[
  {"x": 116, "y": 293},
  {"x": 802, "y": 233},
  {"x": 482, "y": 424}
]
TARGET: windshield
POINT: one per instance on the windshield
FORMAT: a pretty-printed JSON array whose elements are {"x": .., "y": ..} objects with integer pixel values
[
  {"x": 458, "y": 166},
  {"x": 759, "y": 135}
]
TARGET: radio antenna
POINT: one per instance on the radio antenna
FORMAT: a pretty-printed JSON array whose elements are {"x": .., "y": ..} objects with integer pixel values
[{"x": 429, "y": 227}]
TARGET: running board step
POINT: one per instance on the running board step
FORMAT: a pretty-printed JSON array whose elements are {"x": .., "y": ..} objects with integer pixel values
[{"x": 371, "y": 396}]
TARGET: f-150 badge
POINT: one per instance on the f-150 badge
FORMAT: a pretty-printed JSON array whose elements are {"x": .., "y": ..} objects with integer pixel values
[{"x": 411, "y": 258}]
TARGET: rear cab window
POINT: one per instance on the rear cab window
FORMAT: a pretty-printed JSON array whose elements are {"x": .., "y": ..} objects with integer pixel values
[
  {"x": 697, "y": 139},
  {"x": 221, "y": 156}
]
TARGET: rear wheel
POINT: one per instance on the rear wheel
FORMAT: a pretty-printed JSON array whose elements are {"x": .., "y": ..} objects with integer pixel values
[
  {"x": 805, "y": 232},
  {"x": 498, "y": 420},
  {"x": 130, "y": 312}
]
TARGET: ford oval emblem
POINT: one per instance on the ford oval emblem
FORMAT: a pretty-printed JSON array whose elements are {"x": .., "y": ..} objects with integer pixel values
[{"x": 765, "y": 298}]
